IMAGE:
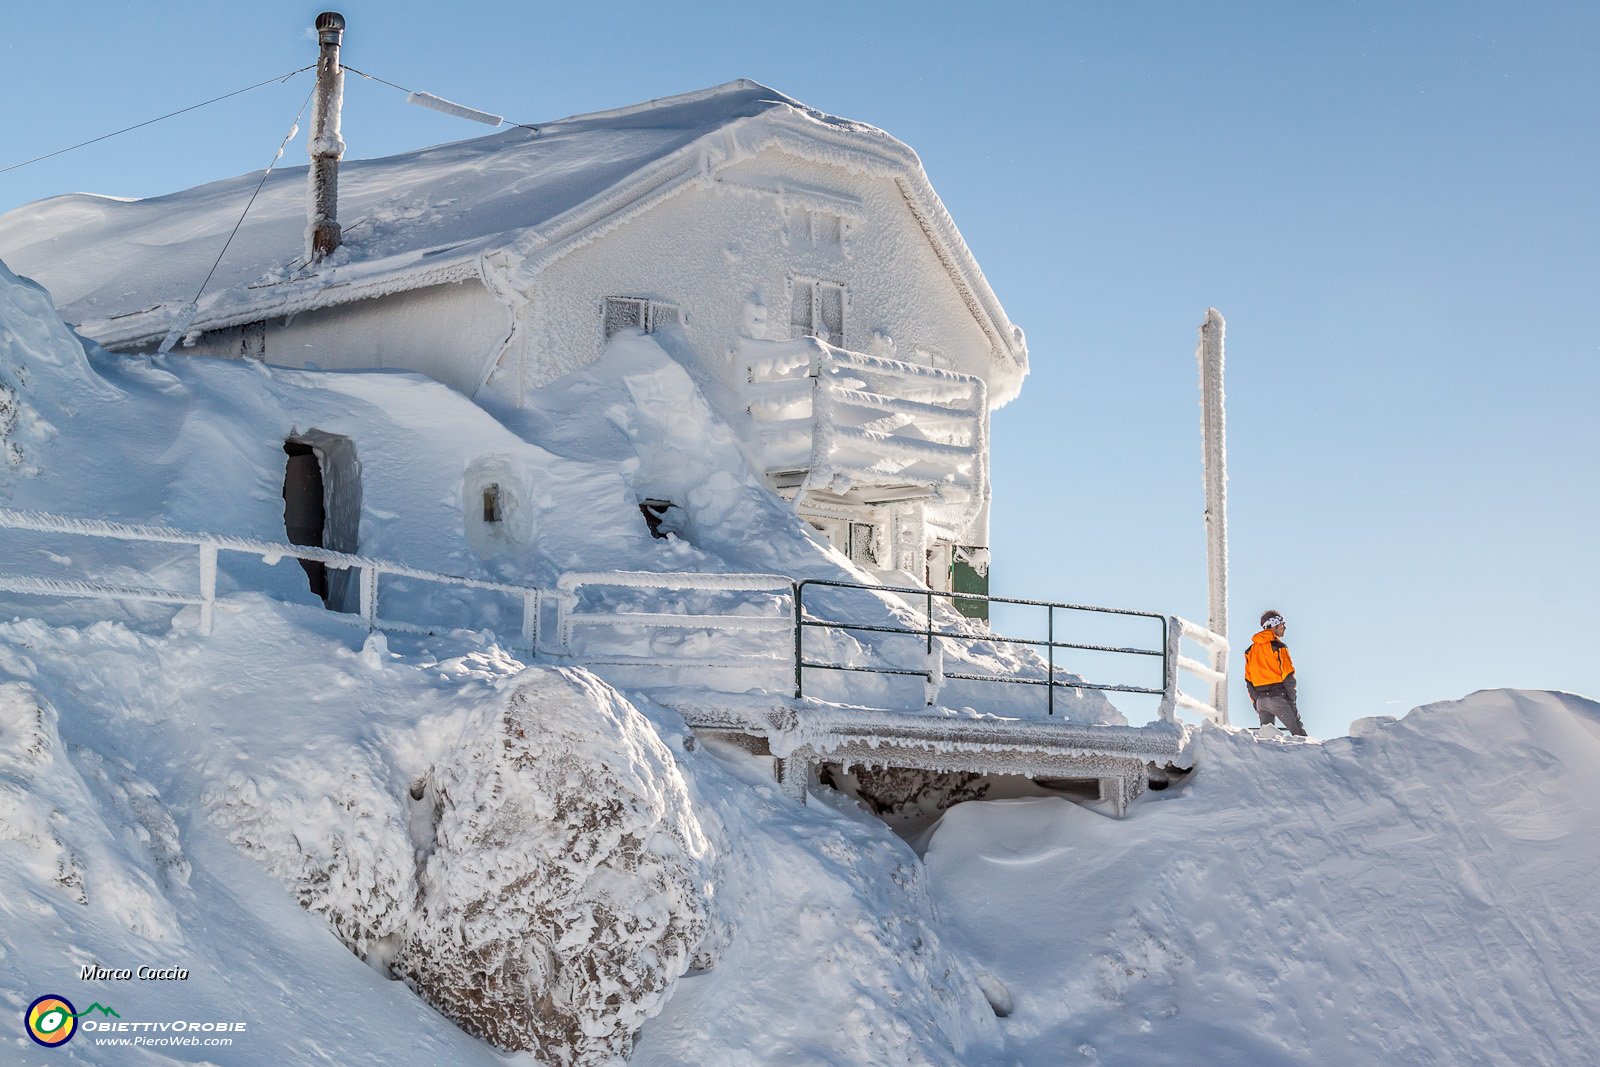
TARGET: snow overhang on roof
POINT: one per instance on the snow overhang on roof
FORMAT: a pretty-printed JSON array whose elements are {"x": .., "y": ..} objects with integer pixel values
[{"x": 497, "y": 208}]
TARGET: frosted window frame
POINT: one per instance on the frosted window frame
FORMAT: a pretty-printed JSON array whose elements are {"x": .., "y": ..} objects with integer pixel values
[
  {"x": 806, "y": 309},
  {"x": 640, "y": 312},
  {"x": 824, "y": 229},
  {"x": 862, "y": 543}
]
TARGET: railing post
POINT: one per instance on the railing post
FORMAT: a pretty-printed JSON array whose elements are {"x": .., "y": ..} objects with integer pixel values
[
  {"x": 369, "y": 595},
  {"x": 799, "y": 643},
  {"x": 1050, "y": 653},
  {"x": 1168, "y": 712},
  {"x": 565, "y": 599},
  {"x": 931, "y": 692},
  {"x": 208, "y": 586},
  {"x": 530, "y": 622},
  {"x": 1219, "y": 688}
]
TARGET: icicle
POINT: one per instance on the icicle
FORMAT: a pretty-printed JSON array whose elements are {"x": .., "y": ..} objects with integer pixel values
[
  {"x": 180, "y": 326},
  {"x": 446, "y": 107}
]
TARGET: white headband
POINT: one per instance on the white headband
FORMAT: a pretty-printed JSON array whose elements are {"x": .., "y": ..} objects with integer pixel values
[{"x": 1270, "y": 621}]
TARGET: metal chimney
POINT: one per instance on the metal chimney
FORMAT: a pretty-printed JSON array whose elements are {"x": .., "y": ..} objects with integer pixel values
[{"x": 325, "y": 144}]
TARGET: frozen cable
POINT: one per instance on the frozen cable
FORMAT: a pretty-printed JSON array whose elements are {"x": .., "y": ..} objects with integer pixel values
[
  {"x": 450, "y": 107},
  {"x": 436, "y": 103},
  {"x": 187, "y": 315},
  {"x": 148, "y": 122}
]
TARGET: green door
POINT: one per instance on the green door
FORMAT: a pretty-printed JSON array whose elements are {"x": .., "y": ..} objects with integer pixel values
[{"x": 965, "y": 578}]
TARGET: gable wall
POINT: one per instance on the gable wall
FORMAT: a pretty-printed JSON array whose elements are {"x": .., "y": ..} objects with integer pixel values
[{"x": 725, "y": 253}]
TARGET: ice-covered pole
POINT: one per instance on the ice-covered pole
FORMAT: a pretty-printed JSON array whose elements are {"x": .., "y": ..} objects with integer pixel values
[
  {"x": 1214, "y": 454},
  {"x": 327, "y": 147}
]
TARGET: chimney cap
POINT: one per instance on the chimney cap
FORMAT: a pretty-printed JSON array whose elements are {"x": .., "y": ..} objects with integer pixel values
[{"x": 330, "y": 20}]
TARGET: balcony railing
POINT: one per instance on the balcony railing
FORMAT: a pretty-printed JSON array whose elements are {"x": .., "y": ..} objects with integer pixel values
[{"x": 867, "y": 429}]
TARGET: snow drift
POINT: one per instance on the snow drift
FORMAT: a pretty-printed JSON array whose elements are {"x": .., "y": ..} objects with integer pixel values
[{"x": 1419, "y": 892}]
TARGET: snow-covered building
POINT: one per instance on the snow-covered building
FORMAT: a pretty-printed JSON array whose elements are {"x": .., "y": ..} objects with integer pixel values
[{"x": 800, "y": 264}]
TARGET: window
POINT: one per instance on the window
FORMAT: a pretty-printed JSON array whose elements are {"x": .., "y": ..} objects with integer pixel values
[
  {"x": 817, "y": 309},
  {"x": 822, "y": 228},
  {"x": 236, "y": 342},
  {"x": 638, "y": 313},
  {"x": 863, "y": 544},
  {"x": 827, "y": 228}
]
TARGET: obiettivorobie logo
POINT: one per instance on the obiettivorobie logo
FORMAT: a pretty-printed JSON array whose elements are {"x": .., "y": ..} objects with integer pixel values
[{"x": 52, "y": 1020}]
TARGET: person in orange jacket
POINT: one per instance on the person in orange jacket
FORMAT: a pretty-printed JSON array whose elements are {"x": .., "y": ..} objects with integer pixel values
[{"x": 1269, "y": 675}]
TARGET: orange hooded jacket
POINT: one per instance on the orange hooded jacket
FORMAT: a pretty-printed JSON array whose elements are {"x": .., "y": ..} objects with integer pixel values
[{"x": 1266, "y": 661}]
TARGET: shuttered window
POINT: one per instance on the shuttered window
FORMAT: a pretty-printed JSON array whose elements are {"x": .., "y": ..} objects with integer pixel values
[
  {"x": 638, "y": 313},
  {"x": 817, "y": 310}
]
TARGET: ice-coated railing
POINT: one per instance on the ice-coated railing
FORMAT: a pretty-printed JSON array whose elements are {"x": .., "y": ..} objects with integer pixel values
[
  {"x": 565, "y": 599},
  {"x": 773, "y": 591},
  {"x": 208, "y": 545},
  {"x": 770, "y": 604},
  {"x": 1214, "y": 673}
]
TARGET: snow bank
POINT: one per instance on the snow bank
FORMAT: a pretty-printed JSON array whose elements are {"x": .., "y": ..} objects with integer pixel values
[
  {"x": 39, "y": 356},
  {"x": 1419, "y": 892},
  {"x": 548, "y": 863},
  {"x": 522, "y": 853},
  {"x": 837, "y": 952}
]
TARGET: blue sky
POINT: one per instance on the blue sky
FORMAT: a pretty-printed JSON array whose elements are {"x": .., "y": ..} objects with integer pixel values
[{"x": 1397, "y": 207}]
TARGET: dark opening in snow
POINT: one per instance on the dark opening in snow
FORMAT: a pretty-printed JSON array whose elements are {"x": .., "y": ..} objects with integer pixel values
[
  {"x": 322, "y": 508},
  {"x": 658, "y": 516},
  {"x": 303, "y": 512}
]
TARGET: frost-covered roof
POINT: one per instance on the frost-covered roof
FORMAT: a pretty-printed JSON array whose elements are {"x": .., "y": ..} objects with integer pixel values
[{"x": 499, "y": 206}]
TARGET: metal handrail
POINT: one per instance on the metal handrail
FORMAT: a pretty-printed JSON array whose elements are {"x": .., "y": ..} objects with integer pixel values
[
  {"x": 933, "y": 671},
  {"x": 210, "y": 544},
  {"x": 1175, "y": 629}
]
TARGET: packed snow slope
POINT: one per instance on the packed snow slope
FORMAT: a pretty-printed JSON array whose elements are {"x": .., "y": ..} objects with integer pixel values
[
  {"x": 165, "y": 801},
  {"x": 1420, "y": 892}
]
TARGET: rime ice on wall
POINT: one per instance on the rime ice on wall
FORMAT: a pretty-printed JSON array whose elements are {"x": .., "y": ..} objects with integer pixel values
[{"x": 486, "y": 264}]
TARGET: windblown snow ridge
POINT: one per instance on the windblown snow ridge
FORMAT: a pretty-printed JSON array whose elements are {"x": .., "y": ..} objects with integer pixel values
[{"x": 1418, "y": 892}]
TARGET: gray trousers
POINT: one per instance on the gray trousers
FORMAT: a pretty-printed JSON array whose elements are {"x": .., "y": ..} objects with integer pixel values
[{"x": 1280, "y": 706}]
